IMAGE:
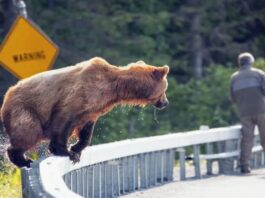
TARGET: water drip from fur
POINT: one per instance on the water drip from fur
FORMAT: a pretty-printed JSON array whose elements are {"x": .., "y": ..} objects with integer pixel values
[{"x": 155, "y": 116}]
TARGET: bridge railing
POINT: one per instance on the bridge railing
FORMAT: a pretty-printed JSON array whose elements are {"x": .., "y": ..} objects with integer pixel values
[{"x": 113, "y": 169}]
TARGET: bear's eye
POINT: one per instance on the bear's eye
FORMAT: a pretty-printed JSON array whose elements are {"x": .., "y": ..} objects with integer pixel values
[{"x": 156, "y": 98}]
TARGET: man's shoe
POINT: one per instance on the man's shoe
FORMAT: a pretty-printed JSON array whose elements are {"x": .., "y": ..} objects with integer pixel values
[{"x": 245, "y": 170}]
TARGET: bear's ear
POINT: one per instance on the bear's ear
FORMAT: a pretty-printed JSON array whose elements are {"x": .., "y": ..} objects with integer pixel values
[
  {"x": 160, "y": 72},
  {"x": 140, "y": 62}
]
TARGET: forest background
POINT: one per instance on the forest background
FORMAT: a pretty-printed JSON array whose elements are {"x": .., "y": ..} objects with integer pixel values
[{"x": 199, "y": 39}]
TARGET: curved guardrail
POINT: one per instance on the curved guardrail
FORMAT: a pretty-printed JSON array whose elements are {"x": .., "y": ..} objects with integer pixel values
[{"x": 112, "y": 169}]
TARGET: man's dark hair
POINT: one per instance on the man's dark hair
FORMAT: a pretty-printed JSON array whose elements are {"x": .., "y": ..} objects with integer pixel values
[{"x": 245, "y": 59}]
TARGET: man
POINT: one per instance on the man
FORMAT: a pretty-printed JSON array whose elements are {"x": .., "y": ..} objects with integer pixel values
[{"x": 247, "y": 90}]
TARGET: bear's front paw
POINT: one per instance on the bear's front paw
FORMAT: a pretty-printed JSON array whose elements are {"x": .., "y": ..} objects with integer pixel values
[
  {"x": 75, "y": 157},
  {"x": 75, "y": 149}
]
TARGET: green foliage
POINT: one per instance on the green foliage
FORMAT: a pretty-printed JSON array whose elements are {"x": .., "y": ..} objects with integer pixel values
[
  {"x": 10, "y": 182},
  {"x": 260, "y": 63},
  {"x": 159, "y": 33},
  {"x": 204, "y": 101},
  {"x": 129, "y": 122},
  {"x": 155, "y": 31}
]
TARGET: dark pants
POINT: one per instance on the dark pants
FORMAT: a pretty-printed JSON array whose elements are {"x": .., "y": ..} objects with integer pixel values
[{"x": 248, "y": 126}]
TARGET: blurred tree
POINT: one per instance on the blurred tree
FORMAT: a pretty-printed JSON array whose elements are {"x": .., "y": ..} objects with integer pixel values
[
  {"x": 187, "y": 35},
  {"x": 194, "y": 37},
  {"x": 8, "y": 14}
]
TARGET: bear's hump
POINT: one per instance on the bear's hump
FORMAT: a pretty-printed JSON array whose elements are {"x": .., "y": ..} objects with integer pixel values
[
  {"x": 98, "y": 61},
  {"x": 98, "y": 65}
]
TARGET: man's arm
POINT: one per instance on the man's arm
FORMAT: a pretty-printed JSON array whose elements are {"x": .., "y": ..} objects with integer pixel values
[{"x": 262, "y": 74}]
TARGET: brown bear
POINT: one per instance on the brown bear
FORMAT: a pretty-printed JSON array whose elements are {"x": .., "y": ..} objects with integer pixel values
[{"x": 53, "y": 104}]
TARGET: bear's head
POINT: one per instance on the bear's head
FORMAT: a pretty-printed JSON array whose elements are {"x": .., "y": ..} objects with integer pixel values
[
  {"x": 148, "y": 83},
  {"x": 158, "y": 97}
]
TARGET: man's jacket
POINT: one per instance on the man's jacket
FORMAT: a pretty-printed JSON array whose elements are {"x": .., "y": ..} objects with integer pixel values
[{"x": 247, "y": 90}]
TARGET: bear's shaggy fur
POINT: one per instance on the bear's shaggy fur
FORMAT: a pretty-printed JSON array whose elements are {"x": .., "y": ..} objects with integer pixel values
[{"x": 53, "y": 104}]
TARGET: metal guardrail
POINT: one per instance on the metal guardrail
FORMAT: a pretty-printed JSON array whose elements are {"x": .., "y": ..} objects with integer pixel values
[{"x": 113, "y": 169}]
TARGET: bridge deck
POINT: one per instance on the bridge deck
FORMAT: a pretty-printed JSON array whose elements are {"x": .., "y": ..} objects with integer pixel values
[{"x": 218, "y": 186}]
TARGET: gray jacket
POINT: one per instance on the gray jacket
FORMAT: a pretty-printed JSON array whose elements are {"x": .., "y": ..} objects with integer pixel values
[{"x": 247, "y": 90}]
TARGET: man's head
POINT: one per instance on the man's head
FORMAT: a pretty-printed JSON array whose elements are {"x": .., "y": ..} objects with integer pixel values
[{"x": 245, "y": 59}]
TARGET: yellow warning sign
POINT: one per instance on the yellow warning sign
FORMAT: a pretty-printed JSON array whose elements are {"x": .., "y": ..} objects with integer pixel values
[{"x": 26, "y": 50}]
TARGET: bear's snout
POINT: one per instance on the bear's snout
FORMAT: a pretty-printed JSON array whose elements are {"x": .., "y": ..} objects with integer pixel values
[{"x": 161, "y": 104}]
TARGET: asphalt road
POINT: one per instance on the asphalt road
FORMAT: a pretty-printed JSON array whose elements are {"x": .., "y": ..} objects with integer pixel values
[{"x": 218, "y": 186}]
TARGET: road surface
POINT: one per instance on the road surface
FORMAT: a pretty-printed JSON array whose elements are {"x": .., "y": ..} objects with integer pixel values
[{"x": 217, "y": 186}]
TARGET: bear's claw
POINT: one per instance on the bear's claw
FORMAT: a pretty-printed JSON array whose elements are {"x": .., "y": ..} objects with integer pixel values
[{"x": 75, "y": 157}]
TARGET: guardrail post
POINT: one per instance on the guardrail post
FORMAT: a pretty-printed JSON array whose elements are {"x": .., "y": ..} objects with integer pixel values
[
  {"x": 121, "y": 171},
  {"x": 109, "y": 181},
  {"x": 220, "y": 149},
  {"x": 158, "y": 167},
  {"x": 152, "y": 168},
  {"x": 79, "y": 181},
  {"x": 196, "y": 153},
  {"x": 67, "y": 180},
  {"x": 228, "y": 164},
  {"x": 84, "y": 181},
  {"x": 97, "y": 180},
  {"x": 74, "y": 181},
  {"x": 113, "y": 179},
  {"x": 162, "y": 154},
  {"x": 125, "y": 174},
  {"x": 209, "y": 150},
  {"x": 238, "y": 144},
  {"x": 103, "y": 177},
  {"x": 256, "y": 158},
  {"x": 182, "y": 154},
  {"x": 116, "y": 179},
  {"x": 170, "y": 164},
  {"x": 143, "y": 171},
  {"x": 25, "y": 182},
  {"x": 90, "y": 181},
  {"x": 135, "y": 172},
  {"x": 131, "y": 174},
  {"x": 262, "y": 158}
]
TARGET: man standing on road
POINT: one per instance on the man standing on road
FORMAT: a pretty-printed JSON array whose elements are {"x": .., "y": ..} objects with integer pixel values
[{"x": 247, "y": 91}]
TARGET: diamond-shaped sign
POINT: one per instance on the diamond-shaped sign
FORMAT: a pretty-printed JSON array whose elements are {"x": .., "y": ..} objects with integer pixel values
[{"x": 26, "y": 50}]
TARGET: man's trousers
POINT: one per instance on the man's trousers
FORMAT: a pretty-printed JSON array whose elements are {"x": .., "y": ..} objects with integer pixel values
[{"x": 248, "y": 126}]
